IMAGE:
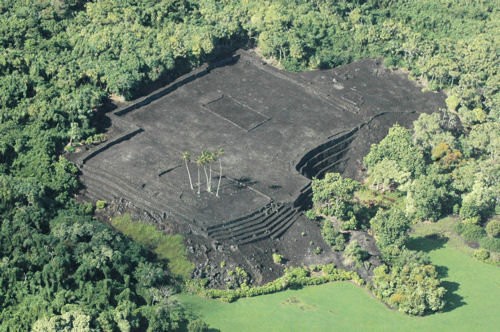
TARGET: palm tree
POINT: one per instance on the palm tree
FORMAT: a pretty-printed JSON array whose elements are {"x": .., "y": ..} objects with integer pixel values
[
  {"x": 211, "y": 157},
  {"x": 186, "y": 156},
  {"x": 218, "y": 156},
  {"x": 199, "y": 162},
  {"x": 205, "y": 160}
]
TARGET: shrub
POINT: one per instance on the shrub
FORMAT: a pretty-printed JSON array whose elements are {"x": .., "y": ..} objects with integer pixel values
[
  {"x": 490, "y": 243},
  {"x": 350, "y": 223},
  {"x": 471, "y": 232},
  {"x": 334, "y": 195},
  {"x": 355, "y": 253},
  {"x": 293, "y": 278},
  {"x": 481, "y": 254},
  {"x": 96, "y": 139},
  {"x": 310, "y": 214},
  {"x": 100, "y": 204},
  {"x": 69, "y": 148},
  {"x": 493, "y": 228},
  {"x": 334, "y": 238},
  {"x": 390, "y": 227},
  {"x": 277, "y": 258},
  {"x": 197, "y": 325},
  {"x": 413, "y": 288}
]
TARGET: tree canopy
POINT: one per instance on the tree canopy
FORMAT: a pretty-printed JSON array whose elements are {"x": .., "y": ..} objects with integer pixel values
[{"x": 60, "y": 61}]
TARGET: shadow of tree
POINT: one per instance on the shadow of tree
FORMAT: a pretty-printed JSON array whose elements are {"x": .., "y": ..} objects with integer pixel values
[
  {"x": 247, "y": 181},
  {"x": 452, "y": 298},
  {"x": 442, "y": 271},
  {"x": 427, "y": 243},
  {"x": 184, "y": 328}
]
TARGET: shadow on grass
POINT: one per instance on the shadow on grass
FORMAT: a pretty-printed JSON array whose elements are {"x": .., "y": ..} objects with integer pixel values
[
  {"x": 442, "y": 271},
  {"x": 184, "y": 328},
  {"x": 427, "y": 243},
  {"x": 453, "y": 300}
]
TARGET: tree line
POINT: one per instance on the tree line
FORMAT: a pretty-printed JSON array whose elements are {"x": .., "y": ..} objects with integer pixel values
[{"x": 60, "y": 61}]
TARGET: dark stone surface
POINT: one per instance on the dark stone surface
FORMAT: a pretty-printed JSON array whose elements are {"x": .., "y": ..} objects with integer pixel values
[{"x": 266, "y": 121}]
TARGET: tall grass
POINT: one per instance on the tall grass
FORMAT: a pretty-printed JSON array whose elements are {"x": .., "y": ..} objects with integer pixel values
[{"x": 165, "y": 246}]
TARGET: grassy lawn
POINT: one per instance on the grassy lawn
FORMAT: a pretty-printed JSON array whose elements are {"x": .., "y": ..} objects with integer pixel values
[
  {"x": 167, "y": 247},
  {"x": 473, "y": 293}
]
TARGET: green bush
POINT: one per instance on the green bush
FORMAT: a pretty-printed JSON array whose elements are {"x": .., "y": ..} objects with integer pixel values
[
  {"x": 100, "y": 204},
  {"x": 197, "y": 325},
  {"x": 277, "y": 258},
  {"x": 355, "y": 253},
  {"x": 471, "y": 232},
  {"x": 293, "y": 278},
  {"x": 350, "y": 223},
  {"x": 490, "y": 243},
  {"x": 96, "y": 139},
  {"x": 310, "y": 214},
  {"x": 493, "y": 228},
  {"x": 481, "y": 254},
  {"x": 414, "y": 289},
  {"x": 334, "y": 238}
]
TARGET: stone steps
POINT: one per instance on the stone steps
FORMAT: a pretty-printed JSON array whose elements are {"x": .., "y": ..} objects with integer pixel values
[
  {"x": 98, "y": 180},
  {"x": 260, "y": 223},
  {"x": 278, "y": 226},
  {"x": 238, "y": 221},
  {"x": 317, "y": 161}
]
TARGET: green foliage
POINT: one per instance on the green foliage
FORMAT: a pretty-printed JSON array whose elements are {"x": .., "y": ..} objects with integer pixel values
[
  {"x": 167, "y": 247},
  {"x": 491, "y": 244},
  {"x": 390, "y": 228},
  {"x": 387, "y": 175},
  {"x": 334, "y": 196},
  {"x": 479, "y": 203},
  {"x": 472, "y": 298},
  {"x": 483, "y": 140},
  {"x": 79, "y": 268},
  {"x": 76, "y": 321},
  {"x": 428, "y": 196},
  {"x": 61, "y": 60},
  {"x": 429, "y": 130},
  {"x": 481, "y": 254},
  {"x": 197, "y": 325},
  {"x": 96, "y": 139},
  {"x": 413, "y": 288},
  {"x": 470, "y": 232},
  {"x": 493, "y": 228},
  {"x": 100, "y": 204},
  {"x": 355, "y": 254},
  {"x": 310, "y": 214},
  {"x": 318, "y": 250},
  {"x": 397, "y": 150},
  {"x": 293, "y": 278},
  {"x": 277, "y": 258},
  {"x": 334, "y": 238}
]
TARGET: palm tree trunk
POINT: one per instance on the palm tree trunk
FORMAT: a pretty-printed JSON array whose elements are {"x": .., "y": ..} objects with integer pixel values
[
  {"x": 189, "y": 175},
  {"x": 206, "y": 177},
  {"x": 199, "y": 180},
  {"x": 220, "y": 177},
  {"x": 210, "y": 178}
]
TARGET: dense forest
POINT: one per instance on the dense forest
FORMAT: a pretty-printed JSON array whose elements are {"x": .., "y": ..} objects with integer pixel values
[{"x": 61, "y": 61}]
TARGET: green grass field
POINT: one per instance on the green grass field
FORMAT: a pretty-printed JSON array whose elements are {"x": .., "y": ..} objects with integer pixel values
[
  {"x": 167, "y": 247},
  {"x": 473, "y": 301}
]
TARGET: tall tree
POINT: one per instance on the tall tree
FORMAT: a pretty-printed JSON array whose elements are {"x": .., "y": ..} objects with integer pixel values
[
  {"x": 219, "y": 155},
  {"x": 186, "y": 156}
]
